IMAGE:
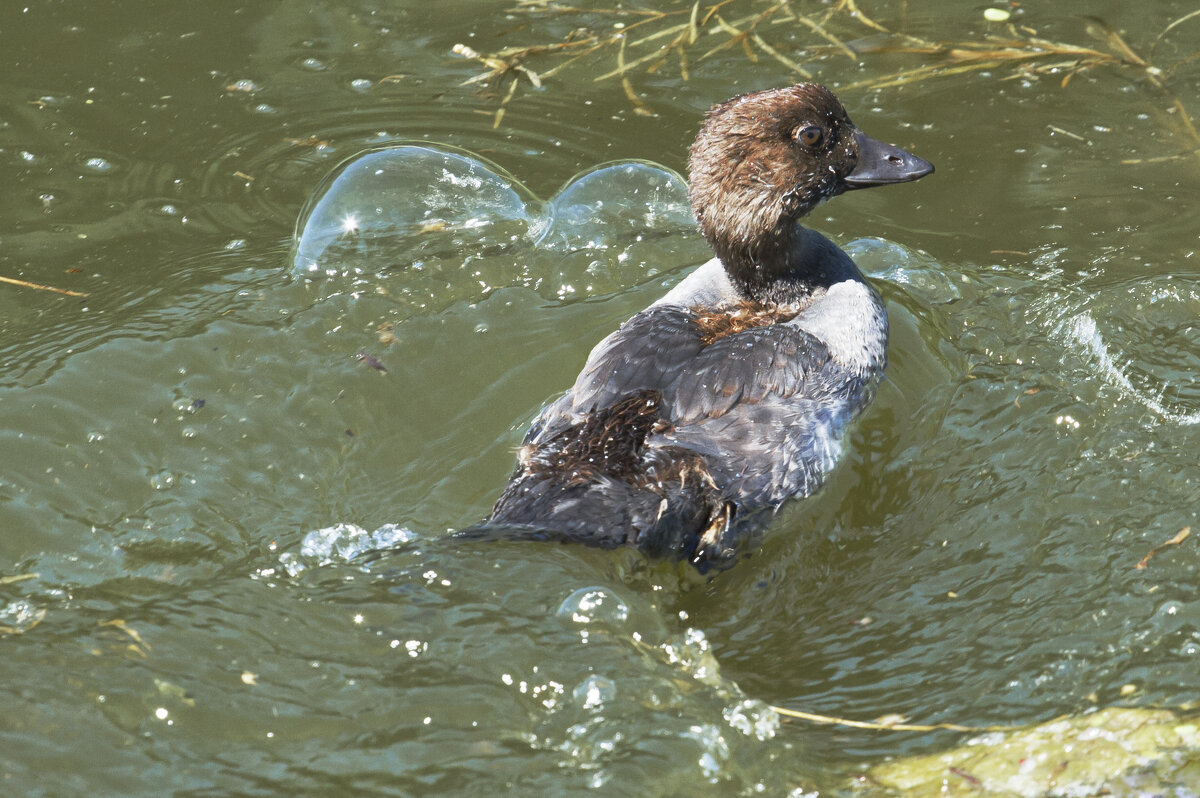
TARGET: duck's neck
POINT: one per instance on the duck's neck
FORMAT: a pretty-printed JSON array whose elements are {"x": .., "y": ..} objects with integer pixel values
[{"x": 784, "y": 266}]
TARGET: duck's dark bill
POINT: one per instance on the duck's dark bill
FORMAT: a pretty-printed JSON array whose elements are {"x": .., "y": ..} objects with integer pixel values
[{"x": 880, "y": 164}]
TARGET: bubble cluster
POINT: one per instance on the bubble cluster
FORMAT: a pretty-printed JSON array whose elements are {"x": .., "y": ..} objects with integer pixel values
[
  {"x": 341, "y": 543},
  {"x": 434, "y": 222},
  {"x": 20, "y": 615}
]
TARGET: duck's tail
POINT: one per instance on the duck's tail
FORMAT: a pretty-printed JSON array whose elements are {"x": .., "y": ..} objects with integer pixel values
[{"x": 598, "y": 482}]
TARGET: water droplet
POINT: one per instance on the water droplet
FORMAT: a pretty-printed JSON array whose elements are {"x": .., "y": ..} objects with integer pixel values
[
  {"x": 595, "y": 691},
  {"x": 98, "y": 165},
  {"x": 21, "y": 615},
  {"x": 753, "y": 718},
  {"x": 592, "y": 605},
  {"x": 163, "y": 480},
  {"x": 244, "y": 85}
]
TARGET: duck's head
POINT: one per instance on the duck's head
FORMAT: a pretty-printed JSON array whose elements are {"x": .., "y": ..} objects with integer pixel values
[{"x": 765, "y": 159}]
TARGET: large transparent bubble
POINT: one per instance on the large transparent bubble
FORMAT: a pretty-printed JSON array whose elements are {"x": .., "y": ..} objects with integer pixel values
[
  {"x": 434, "y": 224},
  {"x": 389, "y": 206}
]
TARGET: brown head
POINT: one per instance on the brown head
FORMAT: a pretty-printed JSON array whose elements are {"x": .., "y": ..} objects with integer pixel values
[{"x": 763, "y": 160}]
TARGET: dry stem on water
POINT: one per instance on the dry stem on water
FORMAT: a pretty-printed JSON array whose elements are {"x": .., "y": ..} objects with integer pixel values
[{"x": 645, "y": 40}]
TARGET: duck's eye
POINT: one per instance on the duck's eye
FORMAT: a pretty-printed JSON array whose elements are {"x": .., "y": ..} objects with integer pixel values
[{"x": 810, "y": 136}]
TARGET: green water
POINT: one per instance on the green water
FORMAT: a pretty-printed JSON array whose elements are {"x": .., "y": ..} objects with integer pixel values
[{"x": 169, "y": 442}]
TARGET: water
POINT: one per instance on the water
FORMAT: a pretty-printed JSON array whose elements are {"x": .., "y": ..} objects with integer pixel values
[{"x": 223, "y": 565}]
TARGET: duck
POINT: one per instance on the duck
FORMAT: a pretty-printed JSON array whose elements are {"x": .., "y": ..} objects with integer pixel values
[{"x": 699, "y": 417}]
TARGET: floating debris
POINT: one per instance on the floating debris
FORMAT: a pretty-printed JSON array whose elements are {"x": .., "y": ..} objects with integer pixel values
[
  {"x": 1179, "y": 537},
  {"x": 886, "y": 723},
  {"x": 40, "y": 287},
  {"x": 371, "y": 361},
  {"x": 644, "y": 40},
  {"x": 172, "y": 690},
  {"x": 139, "y": 646}
]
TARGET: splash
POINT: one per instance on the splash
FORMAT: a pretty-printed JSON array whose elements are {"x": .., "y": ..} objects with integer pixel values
[
  {"x": 339, "y": 543},
  {"x": 590, "y": 722},
  {"x": 1082, "y": 330}
]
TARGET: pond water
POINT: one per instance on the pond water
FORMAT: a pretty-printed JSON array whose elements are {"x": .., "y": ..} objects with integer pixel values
[{"x": 227, "y": 477}]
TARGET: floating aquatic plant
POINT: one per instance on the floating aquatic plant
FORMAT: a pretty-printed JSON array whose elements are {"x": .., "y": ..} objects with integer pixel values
[{"x": 640, "y": 41}]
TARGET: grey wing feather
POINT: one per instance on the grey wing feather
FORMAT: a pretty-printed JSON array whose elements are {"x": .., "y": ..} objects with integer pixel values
[
  {"x": 661, "y": 349},
  {"x": 745, "y": 367},
  {"x": 648, "y": 352},
  {"x": 644, "y": 353},
  {"x": 768, "y": 405}
]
